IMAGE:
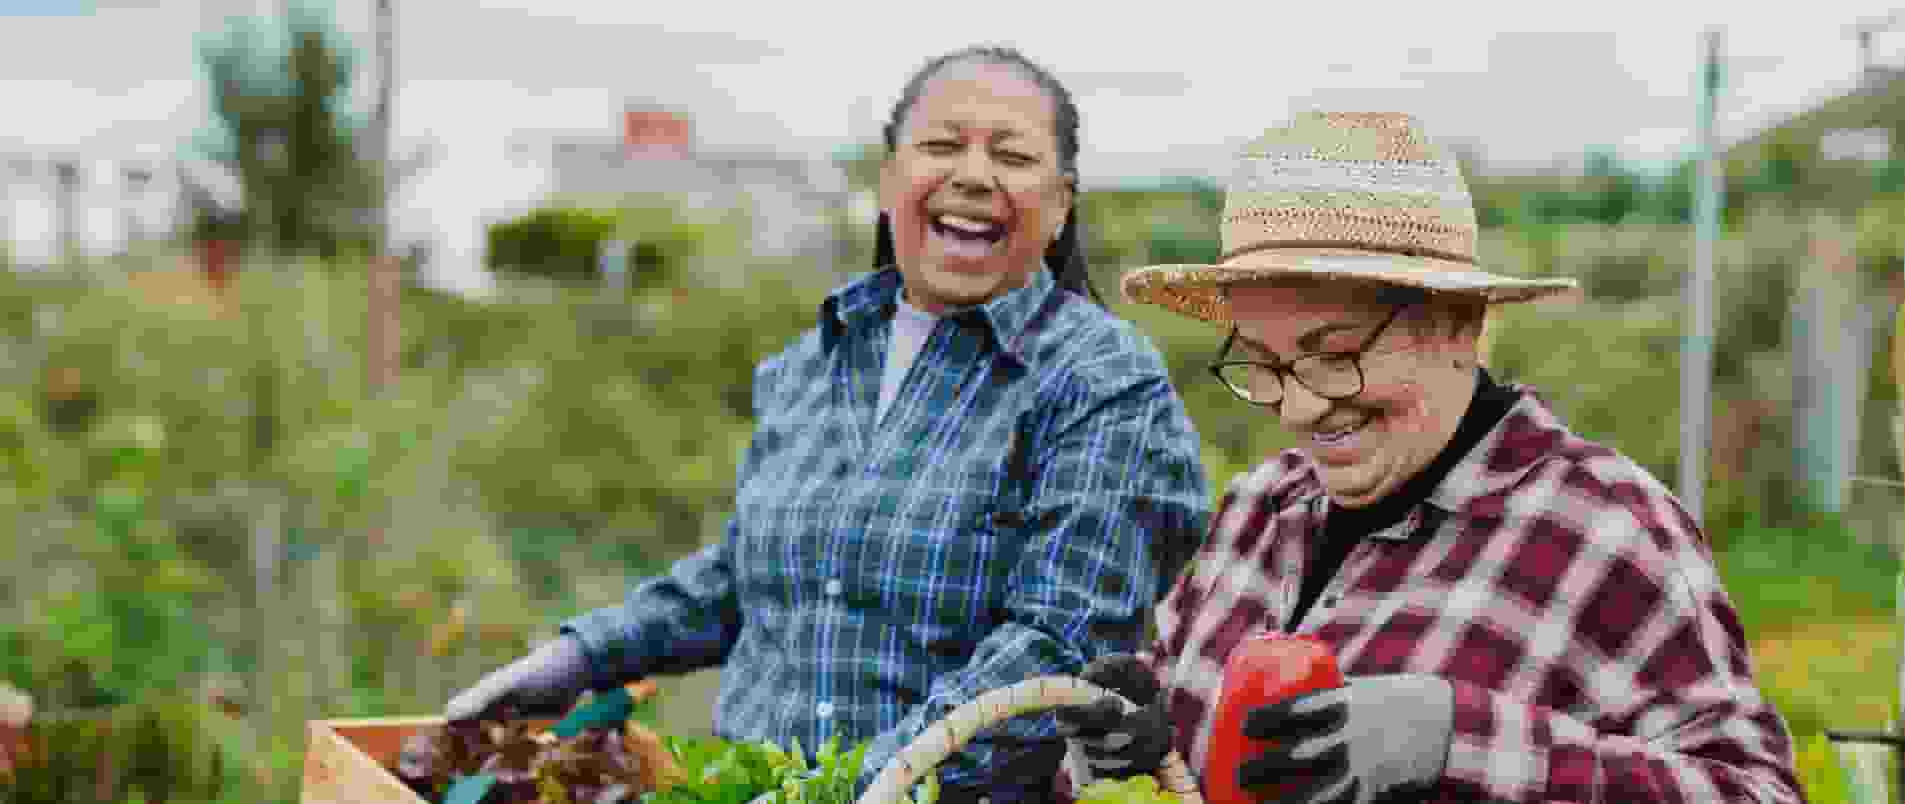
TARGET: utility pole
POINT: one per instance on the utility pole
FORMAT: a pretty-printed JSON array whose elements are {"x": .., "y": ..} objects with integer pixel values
[
  {"x": 381, "y": 363},
  {"x": 1696, "y": 356},
  {"x": 386, "y": 76}
]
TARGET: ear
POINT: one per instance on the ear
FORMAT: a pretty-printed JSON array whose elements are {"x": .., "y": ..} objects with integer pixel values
[
  {"x": 889, "y": 191},
  {"x": 1067, "y": 191}
]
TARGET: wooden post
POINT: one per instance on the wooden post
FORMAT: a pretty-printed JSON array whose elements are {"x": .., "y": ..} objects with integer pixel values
[
  {"x": 381, "y": 363},
  {"x": 1820, "y": 339},
  {"x": 266, "y": 546},
  {"x": 385, "y": 341},
  {"x": 1898, "y": 544}
]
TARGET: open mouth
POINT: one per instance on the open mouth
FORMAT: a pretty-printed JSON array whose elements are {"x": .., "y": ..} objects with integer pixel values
[
  {"x": 1340, "y": 437},
  {"x": 965, "y": 236}
]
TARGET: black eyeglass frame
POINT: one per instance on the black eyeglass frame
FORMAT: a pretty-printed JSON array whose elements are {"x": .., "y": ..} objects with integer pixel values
[{"x": 1287, "y": 368}]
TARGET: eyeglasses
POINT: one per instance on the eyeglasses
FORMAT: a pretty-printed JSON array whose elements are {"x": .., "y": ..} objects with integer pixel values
[{"x": 1333, "y": 376}]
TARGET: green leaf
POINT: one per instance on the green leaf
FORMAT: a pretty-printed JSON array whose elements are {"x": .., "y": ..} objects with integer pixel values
[
  {"x": 608, "y": 709},
  {"x": 1141, "y": 789},
  {"x": 469, "y": 789}
]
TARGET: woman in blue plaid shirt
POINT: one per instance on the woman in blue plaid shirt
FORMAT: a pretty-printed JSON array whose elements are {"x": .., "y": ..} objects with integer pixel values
[{"x": 968, "y": 473}]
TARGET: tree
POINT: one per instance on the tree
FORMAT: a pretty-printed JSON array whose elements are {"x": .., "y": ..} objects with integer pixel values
[
  {"x": 280, "y": 125},
  {"x": 1674, "y": 196},
  {"x": 1613, "y": 192}
]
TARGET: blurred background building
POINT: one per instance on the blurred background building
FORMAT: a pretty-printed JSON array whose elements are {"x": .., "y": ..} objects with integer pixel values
[
  {"x": 94, "y": 206},
  {"x": 788, "y": 197}
]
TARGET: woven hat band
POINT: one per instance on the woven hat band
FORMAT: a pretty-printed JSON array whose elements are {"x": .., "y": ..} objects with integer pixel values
[
  {"x": 1348, "y": 136},
  {"x": 1435, "y": 182},
  {"x": 1342, "y": 248},
  {"x": 1397, "y": 231}
]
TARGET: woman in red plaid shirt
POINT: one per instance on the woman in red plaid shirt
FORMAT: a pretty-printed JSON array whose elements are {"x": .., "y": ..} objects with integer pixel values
[{"x": 1522, "y": 615}]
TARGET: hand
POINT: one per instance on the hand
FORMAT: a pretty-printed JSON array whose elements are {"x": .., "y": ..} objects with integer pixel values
[
  {"x": 1355, "y": 743},
  {"x": 1105, "y": 740},
  {"x": 543, "y": 684}
]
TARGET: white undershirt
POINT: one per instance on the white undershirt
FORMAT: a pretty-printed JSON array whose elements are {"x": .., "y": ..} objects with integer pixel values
[{"x": 911, "y": 326}]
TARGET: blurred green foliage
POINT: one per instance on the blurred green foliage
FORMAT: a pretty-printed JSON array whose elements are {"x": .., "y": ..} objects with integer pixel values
[
  {"x": 153, "y": 752},
  {"x": 543, "y": 448},
  {"x": 554, "y": 242},
  {"x": 1786, "y": 172},
  {"x": 565, "y": 242}
]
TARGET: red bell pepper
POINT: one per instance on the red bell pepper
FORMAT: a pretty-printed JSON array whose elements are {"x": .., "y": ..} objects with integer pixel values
[{"x": 1263, "y": 669}]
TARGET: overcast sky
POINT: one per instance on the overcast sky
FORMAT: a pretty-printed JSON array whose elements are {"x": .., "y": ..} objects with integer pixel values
[
  {"x": 1182, "y": 78},
  {"x": 1162, "y": 87}
]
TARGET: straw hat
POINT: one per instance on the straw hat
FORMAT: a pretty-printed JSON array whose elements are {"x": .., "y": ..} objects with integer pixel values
[{"x": 1351, "y": 196}]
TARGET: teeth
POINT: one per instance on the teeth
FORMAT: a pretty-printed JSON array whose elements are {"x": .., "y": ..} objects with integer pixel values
[
  {"x": 1335, "y": 435},
  {"x": 966, "y": 224}
]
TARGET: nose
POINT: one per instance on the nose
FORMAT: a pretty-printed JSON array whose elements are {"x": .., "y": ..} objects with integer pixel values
[
  {"x": 1301, "y": 408},
  {"x": 972, "y": 172}
]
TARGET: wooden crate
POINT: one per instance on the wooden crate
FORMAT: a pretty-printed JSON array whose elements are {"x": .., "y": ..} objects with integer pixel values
[{"x": 344, "y": 760}]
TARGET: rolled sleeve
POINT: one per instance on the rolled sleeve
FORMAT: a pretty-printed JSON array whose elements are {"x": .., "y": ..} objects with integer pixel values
[
  {"x": 687, "y": 619},
  {"x": 680, "y": 622}
]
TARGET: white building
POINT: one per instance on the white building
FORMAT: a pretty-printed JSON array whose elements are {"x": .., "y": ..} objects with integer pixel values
[{"x": 107, "y": 205}]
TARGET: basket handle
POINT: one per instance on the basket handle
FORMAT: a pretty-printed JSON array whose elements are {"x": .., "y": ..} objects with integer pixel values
[{"x": 946, "y": 737}]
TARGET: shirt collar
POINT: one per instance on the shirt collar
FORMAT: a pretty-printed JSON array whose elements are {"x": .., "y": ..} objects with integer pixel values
[
  {"x": 872, "y": 297},
  {"x": 1528, "y": 435},
  {"x": 1524, "y": 437}
]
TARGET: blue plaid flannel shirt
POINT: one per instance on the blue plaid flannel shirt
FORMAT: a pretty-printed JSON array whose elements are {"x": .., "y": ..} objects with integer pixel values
[{"x": 1032, "y": 492}]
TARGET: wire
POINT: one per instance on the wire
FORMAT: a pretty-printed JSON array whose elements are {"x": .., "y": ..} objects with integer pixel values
[{"x": 1877, "y": 481}]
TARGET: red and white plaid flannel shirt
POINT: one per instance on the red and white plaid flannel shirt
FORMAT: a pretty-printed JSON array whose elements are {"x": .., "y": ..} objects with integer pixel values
[{"x": 1562, "y": 591}]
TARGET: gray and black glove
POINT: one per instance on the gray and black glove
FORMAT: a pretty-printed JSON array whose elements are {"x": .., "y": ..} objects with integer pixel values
[
  {"x": 546, "y": 683},
  {"x": 1374, "y": 737},
  {"x": 1106, "y": 740}
]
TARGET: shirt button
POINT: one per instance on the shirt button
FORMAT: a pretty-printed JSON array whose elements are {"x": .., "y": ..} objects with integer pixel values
[
  {"x": 833, "y": 587},
  {"x": 824, "y": 710}
]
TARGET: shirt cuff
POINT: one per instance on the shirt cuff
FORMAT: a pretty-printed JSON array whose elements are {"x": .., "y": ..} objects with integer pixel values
[{"x": 603, "y": 669}]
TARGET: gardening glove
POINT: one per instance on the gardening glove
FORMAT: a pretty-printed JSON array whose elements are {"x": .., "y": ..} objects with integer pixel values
[
  {"x": 543, "y": 684},
  {"x": 1107, "y": 740},
  {"x": 1353, "y": 744}
]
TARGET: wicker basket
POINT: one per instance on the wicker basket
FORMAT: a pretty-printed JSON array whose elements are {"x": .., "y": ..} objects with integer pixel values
[{"x": 946, "y": 737}]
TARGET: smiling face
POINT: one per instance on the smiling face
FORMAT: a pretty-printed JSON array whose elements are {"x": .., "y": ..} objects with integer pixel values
[
  {"x": 974, "y": 190},
  {"x": 1413, "y": 395}
]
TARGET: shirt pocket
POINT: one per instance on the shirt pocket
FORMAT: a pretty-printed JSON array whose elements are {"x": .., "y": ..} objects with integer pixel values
[{"x": 945, "y": 528}]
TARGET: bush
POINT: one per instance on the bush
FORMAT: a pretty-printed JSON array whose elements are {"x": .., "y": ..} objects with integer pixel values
[
  {"x": 562, "y": 243},
  {"x": 565, "y": 243},
  {"x": 534, "y": 457}
]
